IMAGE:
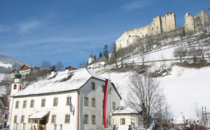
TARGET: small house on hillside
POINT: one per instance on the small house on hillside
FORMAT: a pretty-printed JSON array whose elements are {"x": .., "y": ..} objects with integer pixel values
[
  {"x": 96, "y": 63},
  {"x": 23, "y": 70}
]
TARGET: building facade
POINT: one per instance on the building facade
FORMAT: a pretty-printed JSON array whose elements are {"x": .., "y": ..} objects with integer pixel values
[{"x": 68, "y": 100}]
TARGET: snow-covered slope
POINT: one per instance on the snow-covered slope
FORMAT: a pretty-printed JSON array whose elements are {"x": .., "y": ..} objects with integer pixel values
[
  {"x": 7, "y": 64},
  {"x": 183, "y": 88}
]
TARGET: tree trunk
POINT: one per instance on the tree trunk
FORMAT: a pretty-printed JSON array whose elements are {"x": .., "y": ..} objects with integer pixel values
[{"x": 202, "y": 56}]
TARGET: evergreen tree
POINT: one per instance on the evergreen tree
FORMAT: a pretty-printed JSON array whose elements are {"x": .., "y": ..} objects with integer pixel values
[
  {"x": 94, "y": 57},
  {"x": 100, "y": 55},
  {"x": 106, "y": 51}
]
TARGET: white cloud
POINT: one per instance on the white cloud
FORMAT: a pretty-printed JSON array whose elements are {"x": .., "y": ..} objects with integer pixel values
[
  {"x": 134, "y": 5},
  {"x": 28, "y": 26}
]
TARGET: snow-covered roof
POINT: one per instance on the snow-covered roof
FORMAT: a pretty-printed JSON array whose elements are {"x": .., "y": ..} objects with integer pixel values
[
  {"x": 126, "y": 110},
  {"x": 58, "y": 83}
]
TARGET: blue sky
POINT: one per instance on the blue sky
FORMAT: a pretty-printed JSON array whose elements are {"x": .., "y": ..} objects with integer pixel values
[{"x": 70, "y": 30}]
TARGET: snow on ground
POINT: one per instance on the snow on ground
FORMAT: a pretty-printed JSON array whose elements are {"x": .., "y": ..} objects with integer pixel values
[
  {"x": 5, "y": 65},
  {"x": 1, "y": 77},
  {"x": 183, "y": 89}
]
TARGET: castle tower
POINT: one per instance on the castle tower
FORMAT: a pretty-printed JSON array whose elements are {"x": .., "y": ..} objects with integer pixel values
[
  {"x": 17, "y": 85},
  {"x": 170, "y": 21},
  {"x": 189, "y": 23},
  {"x": 91, "y": 59}
]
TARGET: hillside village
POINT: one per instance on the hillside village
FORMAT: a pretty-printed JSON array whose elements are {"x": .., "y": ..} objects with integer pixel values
[{"x": 74, "y": 98}]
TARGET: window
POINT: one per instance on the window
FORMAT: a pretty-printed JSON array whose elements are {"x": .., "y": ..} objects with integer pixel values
[
  {"x": 67, "y": 119},
  {"x": 24, "y": 104},
  {"x": 152, "y": 28},
  {"x": 68, "y": 101},
  {"x": 103, "y": 88},
  {"x": 15, "y": 86},
  {"x": 35, "y": 121},
  {"x": 53, "y": 119},
  {"x": 17, "y": 104},
  {"x": 43, "y": 103},
  {"x": 93, "y": 119},
  {"x": 86, "y": 101},
  {"x": 22, "y": 119},
  {"x": 55, "y": 102},
  {"x": 93, "y": 86},
  {"x": 15, "y": 119},
  {"x": 32, "y": 104},
  {"x": 93, "y": 102},
  {"x": 113, "y": 106},
  {"x": 61, "y": 126},
  {"x": 86, "y": 119},
  {"x": 55, "y": 126},
  {"x": 110, "y": 91},
  {"x": 122, "y": 121}
]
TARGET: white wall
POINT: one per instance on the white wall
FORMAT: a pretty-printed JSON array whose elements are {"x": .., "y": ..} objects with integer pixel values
[
  {"x": 129, "y": 118},
  {"x": 98, "y": 110},
  {"x": 60, "y": 111}
]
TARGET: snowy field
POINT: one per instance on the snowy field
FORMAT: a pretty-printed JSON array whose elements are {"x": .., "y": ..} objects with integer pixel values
[
  {"x": 183, "y": 89},
  {"x": 5, "y": 65}
]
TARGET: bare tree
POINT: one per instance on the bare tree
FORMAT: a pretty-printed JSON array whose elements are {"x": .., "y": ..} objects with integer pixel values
[
  {"x": 45, "y": 64},
  {"x": 142, "y": 52},
  {"x": 59, "y": 66},
  {"x": 180, "y": 52},
  {"x": 113, "y": 58},
  {"x": 196, "y": 110},
  {"x": 195, "y": 52},
  {"x": 204, "y": 49},
  {"x": 145, "y": 96},
  {"x": 82, "y": 65}
]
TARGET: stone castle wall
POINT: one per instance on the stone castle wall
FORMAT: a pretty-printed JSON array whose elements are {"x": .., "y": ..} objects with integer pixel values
[{"x": 158, "y": 28}]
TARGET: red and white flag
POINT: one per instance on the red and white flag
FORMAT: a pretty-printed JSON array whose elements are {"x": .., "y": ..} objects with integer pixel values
[{"x": 106, "y": 93}]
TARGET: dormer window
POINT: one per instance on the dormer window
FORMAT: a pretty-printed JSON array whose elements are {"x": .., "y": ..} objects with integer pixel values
[{"x": 15, "y": 86}]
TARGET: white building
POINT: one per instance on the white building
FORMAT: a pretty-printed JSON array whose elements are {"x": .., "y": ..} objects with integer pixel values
[
  {"x": 24, "y": 70},
  {"x": 96, "y": 63},
  {"x": 123, "y": 117},
  {"x": 47, "y": 102}
]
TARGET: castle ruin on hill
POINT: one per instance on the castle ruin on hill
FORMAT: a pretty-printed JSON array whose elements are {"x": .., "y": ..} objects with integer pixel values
[{"x": 160, "y": 26}]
